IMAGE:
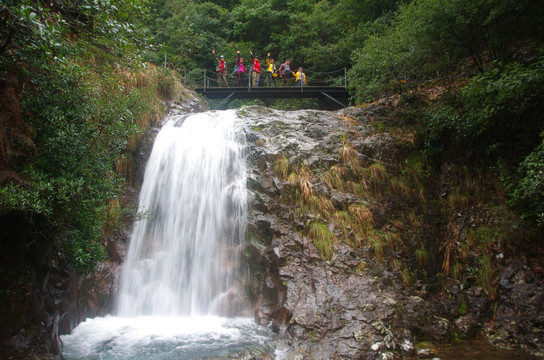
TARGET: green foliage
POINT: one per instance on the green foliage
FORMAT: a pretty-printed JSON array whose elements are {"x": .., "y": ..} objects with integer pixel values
[
  {"x": 432, "y": 38},
  {"x": 186, "y": 31},
  {"x": 486, "y": 276},
  {"x": 317, "y": 34},
  {"x": 463, "y": 307},
  {"x": 497, "y": 115},
  {"x": 422, "y": 257},
  {"x": 526, "y": 190},
  {"x": 82, "y": 104},
  {"x": 293, "y": 104},
  {"x": 30, "y": 27},
  {"x": 80, "y": 128}
]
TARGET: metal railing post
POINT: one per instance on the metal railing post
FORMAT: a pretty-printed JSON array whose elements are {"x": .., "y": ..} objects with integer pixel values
[{"x": 204, "y": 78}]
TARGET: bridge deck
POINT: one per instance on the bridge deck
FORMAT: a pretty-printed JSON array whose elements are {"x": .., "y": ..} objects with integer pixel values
[{"x": 335, "y": 95}]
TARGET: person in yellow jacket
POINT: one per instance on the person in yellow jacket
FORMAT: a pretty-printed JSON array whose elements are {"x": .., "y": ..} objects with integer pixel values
[
  {"x": 271, "y": 70},
  {"x": 300, "y": 77}
]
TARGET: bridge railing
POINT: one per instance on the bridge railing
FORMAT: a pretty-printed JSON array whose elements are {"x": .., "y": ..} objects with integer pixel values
[{"x": 207, "y": 78}]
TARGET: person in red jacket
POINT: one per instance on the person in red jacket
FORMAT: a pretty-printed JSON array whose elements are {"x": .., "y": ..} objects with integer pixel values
[
  {"x": 221, "y": 69},
  {"x": 255, "y": 71}
]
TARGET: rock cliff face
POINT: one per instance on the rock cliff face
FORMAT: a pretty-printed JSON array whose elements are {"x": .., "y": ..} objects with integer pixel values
[{"x": 337, "y": 266}]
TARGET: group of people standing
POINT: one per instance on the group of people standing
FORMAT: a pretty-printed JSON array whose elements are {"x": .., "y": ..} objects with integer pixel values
[{"x": 271, "y": 71}]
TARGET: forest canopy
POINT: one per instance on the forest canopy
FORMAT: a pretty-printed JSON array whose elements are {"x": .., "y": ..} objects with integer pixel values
[{"x": 70, "y": 64}]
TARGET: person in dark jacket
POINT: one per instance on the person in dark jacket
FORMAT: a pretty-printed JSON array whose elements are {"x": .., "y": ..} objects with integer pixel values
[{"x": 285, "y": 72}]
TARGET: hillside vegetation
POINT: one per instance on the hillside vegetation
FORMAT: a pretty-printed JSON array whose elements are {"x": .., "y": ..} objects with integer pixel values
[
  {"x": 465, "y": 79},
  {"x": 76, "y": 97},
  {"x": 81, "y": 80}
]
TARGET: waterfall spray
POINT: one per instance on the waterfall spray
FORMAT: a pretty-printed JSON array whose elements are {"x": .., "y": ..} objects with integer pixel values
[{"x": 183, "y": 253}]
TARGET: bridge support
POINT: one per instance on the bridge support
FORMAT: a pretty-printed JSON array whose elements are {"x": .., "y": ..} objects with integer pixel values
[
  {"x": 333, "y": 99},
  {"x": 225, "y": 101},
  {"x": 337, "y": 96}
]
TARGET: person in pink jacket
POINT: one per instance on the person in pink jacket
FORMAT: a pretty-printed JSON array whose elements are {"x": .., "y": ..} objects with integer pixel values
[{"x": 240, "y": 69}]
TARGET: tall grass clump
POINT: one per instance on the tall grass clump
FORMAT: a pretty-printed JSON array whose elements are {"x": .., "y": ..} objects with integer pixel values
[
  {"x": 322, "y": 238},
  {"x": 302, "y": 178},
  {"x": 281, "y": 167}
]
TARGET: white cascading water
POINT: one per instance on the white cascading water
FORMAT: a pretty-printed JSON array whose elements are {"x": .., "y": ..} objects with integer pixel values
[
  {"x": 184, "y": 252},
  {"x": 183, "y": 258}
]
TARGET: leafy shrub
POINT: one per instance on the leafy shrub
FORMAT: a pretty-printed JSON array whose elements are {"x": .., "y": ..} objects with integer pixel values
[
  {"x": 497, "y": 115},
  {"x": 527, "y": 193},
  {"x": 82, "y": 106},
  {"x": 433, "y": 38}
]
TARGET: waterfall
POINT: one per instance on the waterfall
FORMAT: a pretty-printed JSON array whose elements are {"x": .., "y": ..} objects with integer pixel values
[
  {"x": 181, "y": 274},
  {"x": 183, "y": 253}
]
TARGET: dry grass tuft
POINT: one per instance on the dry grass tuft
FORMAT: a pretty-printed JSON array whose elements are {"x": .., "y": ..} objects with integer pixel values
[
  {"x": 349, "y": 120},
  {"x": 342, "y": 219},
  {"x": 449, "y": 247},
  {"x": 292, "y": 179},
  {"x": 407, "y": 277},
  {"x": 400, "y": 185},
  {"x": 335, "y": 177},
  {"x": 305, "y": 177},
  {"x": 390, "y": 238},
  {"x": 362, "y": 216},
  {"x": 377, "y": 172},
  {"x": 281, "y": 167},
  {"x": 376, "y": 242},
  {"x": 124, "y": 167},
  {"x": 359, "y": 188},
  {"x": 348, "y": 153}
]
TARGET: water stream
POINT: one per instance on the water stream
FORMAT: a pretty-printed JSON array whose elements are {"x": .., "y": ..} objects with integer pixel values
[{"x": 179, "y": 290}]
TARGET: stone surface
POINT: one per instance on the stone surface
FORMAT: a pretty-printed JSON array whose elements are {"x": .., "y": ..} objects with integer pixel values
[
  {"x": 326, "y": 309},
  {"x": 353, "y": 306}
]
